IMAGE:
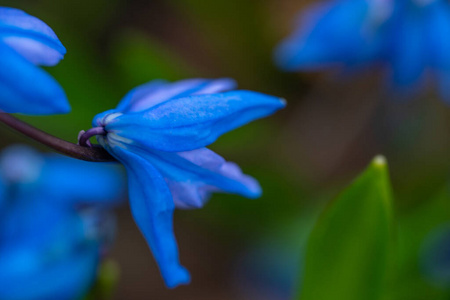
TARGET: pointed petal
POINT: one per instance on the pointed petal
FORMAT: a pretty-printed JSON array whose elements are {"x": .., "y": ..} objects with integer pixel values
[
  {"x": 193, "y": 122},
  {"x": 193, "y": 175},
  {"x": 152, "y": 207},
  {"x": 30, "y": 37},
  {"x": 157, "y": 91},
  {"x": 24, "y": 88}
]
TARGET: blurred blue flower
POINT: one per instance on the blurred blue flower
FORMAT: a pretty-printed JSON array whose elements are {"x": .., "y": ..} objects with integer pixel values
[
  {"x": 159, "y": 131},
  {"x": 26, "y": 42},
  {"x": 51, "y": 241},
  {"x": 407, "y": 37}
]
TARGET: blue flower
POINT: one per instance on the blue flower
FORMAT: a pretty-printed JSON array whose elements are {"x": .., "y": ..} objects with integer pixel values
[
  {"x": 407, "y": 37},
  {"x": 337, "y": 32},
  {"x": 25, "y": 43},
  {"x": 159, "y": 131},
  {"x": 50, "y": 244}
]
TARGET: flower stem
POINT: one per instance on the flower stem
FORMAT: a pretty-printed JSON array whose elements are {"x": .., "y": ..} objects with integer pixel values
[{"x": 95, "y": 154}]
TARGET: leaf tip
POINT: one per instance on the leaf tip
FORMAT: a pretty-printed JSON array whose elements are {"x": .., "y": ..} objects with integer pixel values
[{"x": 379, "y": 161}]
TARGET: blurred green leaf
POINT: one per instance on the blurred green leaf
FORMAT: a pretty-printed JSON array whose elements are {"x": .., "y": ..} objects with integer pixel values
[
  {"x": 414, "y": 227},
  {"x": 139, "y": 59},
  {"x": 229, "y": 28},
  {"x": 348, "y": 252},
  {"x": 108, "y": 277}
]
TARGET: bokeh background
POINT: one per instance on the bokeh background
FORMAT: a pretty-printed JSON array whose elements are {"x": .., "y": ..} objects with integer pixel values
[{"x": 333, "y": 126}]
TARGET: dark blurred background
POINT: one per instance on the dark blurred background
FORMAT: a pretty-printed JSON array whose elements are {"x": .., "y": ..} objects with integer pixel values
[{"x": 333, "y": 126}]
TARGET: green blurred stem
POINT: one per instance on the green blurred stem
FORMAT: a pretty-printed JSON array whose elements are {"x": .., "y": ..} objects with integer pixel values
[{"x": 94, "y": 154}]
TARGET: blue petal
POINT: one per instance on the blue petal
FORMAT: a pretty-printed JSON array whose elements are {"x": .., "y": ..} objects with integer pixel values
[
  {"x": 72, "y": 181},
  {"x": 62, "y": 179},
  {"x": 20, "y": 164},
  {"x": 45, "y": 251},
  {"x": 68, "y": 278},
  {"x": 34, "y": 220},
  {"x": 335, "y": 32},
  {"x": 24, "y": 88},
  {"x": 2, "y": 193},
  {"x": 439, "y": 45},
  {"x": 189, "y": 123},
  {"x": 30, "y": 37},
  {"x": 408, "y": 53},
  {"x": 152, "y": 207},
  {"x": 155, "y": 92},
  {"x": 193, "y": 175}
]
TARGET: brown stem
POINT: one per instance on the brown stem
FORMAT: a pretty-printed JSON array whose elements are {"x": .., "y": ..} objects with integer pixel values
[{"x": 95, "y": 154}]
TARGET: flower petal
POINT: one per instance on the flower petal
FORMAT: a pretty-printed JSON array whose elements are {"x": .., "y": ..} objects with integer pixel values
[
  {"x": 192, "y": 122},
  {"x": 81, "y": 182},
  {"x": 193, "y": 175},
  {"x": 25, "y": 88},
  {"x": 408, "y": 53},
  {"x": 152, "y": 207},
  {"x": 31, "y": 220},
  {"x": 438, "y": 31},
  {"x": 30, "y": 37},
  {"x": 68, "y": 278},
  {"x": 332, "y": 33},
  {"x": 157, "y": 91}
]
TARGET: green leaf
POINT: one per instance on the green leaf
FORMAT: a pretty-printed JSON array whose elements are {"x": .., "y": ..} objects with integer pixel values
[
  {"x": 107, "y": 280},
  {"x": 139, "y": 58},
  {"x": 415, "y": 226},
  {"x": 348, "y": 253}
]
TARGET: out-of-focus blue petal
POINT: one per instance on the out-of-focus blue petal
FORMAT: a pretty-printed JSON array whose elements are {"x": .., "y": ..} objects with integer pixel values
[
  {"x": 66, "y": 278},
  {"x": 189, "y": 123},
  {"x": 36, "y": 221},
  {"x": 61, "y": 179},
  {"x": 48, "y": 249},
  {"x": 20, "y": 164},
  {"x": 152, "y": 207},
  {"x": 2, "y": 193},
  {"x": 45, "y": 251},
  {"x": 438, "y": 32},
  {"x": 407, "y": 42},
  {"x": 333, "y": 33},
  {"x": 30, "y": 37},
  {"x": 157, "y": 91},
  {"x": 193, "y": 175},
  {"x": 24, "y": 88},
  {"x": 74, "y": 181}
]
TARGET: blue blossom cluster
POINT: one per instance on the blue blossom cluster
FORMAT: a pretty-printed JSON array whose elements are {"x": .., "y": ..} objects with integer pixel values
[
  {"x": 54, "y": 226},
  {"x": 408, "y": 37}
]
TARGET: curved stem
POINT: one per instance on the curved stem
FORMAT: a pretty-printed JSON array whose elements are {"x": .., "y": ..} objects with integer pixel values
[
  {"x": 95, "y": 154},
  {"x": 84, "y": 138}
]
